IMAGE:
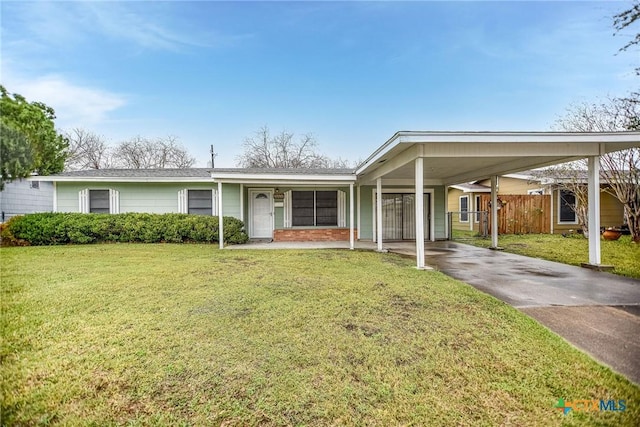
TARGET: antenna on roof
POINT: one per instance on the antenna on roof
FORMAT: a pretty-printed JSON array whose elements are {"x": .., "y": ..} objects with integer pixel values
[{"x": 213, "y": 157}]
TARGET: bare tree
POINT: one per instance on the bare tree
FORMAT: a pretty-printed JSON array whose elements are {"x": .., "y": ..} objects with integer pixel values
[
  {"x": 87, "y": 151},
  {"x": 281, "y": 151},
  {"x": 143, "y": 153},
  {"x": 621, "y": 170},
  {"x": 623, "y": 20}
]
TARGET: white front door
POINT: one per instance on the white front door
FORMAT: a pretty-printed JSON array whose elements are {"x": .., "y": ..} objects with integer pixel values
[{"x": 261, "y": 214}]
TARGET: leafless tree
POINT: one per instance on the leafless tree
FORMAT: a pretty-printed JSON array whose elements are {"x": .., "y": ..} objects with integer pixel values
[
  {"x": 621, "y": 170},
  {"x": 143, "y": 153},
  {"x": 87, "y": 150},
  {"x": 281, "y": 151},
  {"x": 624, "y": 20}
]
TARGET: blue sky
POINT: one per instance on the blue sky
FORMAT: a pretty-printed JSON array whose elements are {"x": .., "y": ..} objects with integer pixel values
[{"x": 351, "y": 73}]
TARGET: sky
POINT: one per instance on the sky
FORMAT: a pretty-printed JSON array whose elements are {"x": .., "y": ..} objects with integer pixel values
[{"x": 350, "y": 73}]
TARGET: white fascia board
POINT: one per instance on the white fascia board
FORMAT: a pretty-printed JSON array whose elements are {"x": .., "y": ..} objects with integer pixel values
[
  {"x": 518, "y": 137},
  {"x": 116, "y": 179},
  {"x": 379, "y": 153},
  {"x": 285, "y": 183},
  {"x": 471, "y": 190},
  {"x": 275, "y": 177}
]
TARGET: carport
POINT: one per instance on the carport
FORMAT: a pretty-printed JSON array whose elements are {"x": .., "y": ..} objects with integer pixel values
[{"x": 449, "y": 158}]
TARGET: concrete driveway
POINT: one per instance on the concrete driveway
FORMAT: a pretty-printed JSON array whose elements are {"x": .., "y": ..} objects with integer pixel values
[{"x": 597, "y": 312}]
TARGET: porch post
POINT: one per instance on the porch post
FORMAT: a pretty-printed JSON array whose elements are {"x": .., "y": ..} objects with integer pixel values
[
  {"x": 358, "y": 209},
  {"x": 594, "y": 210},
  {"x": 220, "y": 221},
  {"x": 494, "y": 212},
  {"x": 351, "y": 217},
  {"x": 379, "y": 213},
  {"x": 419, "y": 181},
  {"x": 241, "y": 203}
]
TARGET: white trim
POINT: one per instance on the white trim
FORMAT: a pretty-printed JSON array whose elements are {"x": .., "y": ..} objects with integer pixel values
[
  {"x": 378, "y": 213},
  {"x": 342, "y": 209},
  {"x": 460, "y": 211},
  {"x": 54, "y": 178},
  {"x": 494, "y": 211},
  {"x": 250, "y": 226},
  {"x": 476, "y": 208},
  {"x": 83, "y": 201},
  {"x": 114, "y": 201},
  {"x": 351, "y": 217},
  {"x": 183, "y": 203},
  {"x": 575, "y": 215},
  {"x": 55, "y": 197},
  {"x": 358, "y": 191},
  {"x": 535, "y": 192},
  {"x": 594, "y": 209},
  {"x": 242, "y": 202},
  {"x": 288, "y": 212},
  {"x": 430, "y": 191},
  {"x": 214, "y": 202},
  {"x": 281, "y": 177},
  {"x": 419, "y": 207},
  {"x": 220, "y": 218}
]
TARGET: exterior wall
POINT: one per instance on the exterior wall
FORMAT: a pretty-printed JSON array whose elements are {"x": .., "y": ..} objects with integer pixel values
[
  {"x": 19, "y": 198},
  {"x": 508, "y": 185},
  {"x": 134, "y": 197},
  {"x": 611, "y": 213},
  {"x": 367, "y": 209},
  {"x": 311, "y": 235},
  {"x": 230, "y": 200},
  {"x": 453, "y": 205}
]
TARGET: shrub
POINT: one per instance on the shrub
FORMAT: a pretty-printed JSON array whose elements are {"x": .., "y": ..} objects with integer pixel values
[{"x": 64, "y": 228}]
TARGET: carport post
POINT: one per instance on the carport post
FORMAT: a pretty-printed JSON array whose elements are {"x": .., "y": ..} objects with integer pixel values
[
  {"x": 351, "y": 217},
  {"x": 594, "y": 209},
  {"x": 220, "y": 221},
  {"x": 494, "y": 212},
  {"x": 419, "y": 178},
  {"x": 379, "y": 213}
]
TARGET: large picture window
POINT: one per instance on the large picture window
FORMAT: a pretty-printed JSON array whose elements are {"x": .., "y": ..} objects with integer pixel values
[
  {"x": 314, "y": 208},
  {"x": 200, "y": 202},
  {"x": 567, "y": 206},
  {"x": 99, "y": 201}
]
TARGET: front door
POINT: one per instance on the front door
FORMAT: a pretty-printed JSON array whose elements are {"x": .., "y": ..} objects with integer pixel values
[{"x": 261, "y": 217}]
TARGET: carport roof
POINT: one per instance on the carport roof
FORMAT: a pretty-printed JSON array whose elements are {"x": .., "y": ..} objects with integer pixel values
[{"x": 459, "y": 157}]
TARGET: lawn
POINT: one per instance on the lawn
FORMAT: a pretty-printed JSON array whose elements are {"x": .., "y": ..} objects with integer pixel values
[
  {"x": 128, "y": 334},
  {"x": 623, "y": 254}
]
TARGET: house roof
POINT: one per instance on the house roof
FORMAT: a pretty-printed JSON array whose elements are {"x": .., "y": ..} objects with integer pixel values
[
  {"x": 131, "y": 175},
  {"x": 451, "y": 158}
]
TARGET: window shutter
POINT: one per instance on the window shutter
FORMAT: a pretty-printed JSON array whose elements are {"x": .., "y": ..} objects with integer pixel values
[
  {"x": 287, "y": 209},
  {"x": 214, "y": 202},
  {"x": 342, "y": 209},
  {"x": 114, "y": 201},
  {"x": 83, "y": 201},
  {"x": 183, "y": 203}
]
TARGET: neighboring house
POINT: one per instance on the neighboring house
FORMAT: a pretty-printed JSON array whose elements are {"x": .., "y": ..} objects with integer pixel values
[
  {"x": 467, "y": 198},
  {"x": 397, "y": 193},
  {"x": 23, "y": 196}
]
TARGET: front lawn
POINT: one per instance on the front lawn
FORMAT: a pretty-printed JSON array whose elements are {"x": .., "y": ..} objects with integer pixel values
[
  {"x": 190, "y": 335},
  {"x": 623, "y": 254}
]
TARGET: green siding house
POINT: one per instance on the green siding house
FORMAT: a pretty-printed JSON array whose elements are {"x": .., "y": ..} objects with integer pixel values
[{"x": 397, "y": 193}]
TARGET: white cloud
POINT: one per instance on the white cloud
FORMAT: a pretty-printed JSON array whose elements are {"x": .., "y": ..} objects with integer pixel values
[{"x": 75, "y": 105}]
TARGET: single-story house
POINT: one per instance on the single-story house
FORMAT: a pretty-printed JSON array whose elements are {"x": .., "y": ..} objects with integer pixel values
[
  {"x": 398, "y": 192},
  {"x": 467, "y": 197},
  {"x": 24, "y": 196}
]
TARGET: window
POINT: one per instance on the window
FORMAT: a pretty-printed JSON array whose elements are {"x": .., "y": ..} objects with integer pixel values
[
  {"x": 464, "y": 208},
  {"x": 99, "y": 201},
  {"x": 536, "y": 192},
  {"x": 311, "y": 208},
  {"x": 200, "y": 202},
  {"x": 566, "y": 207},
  {"x": 477, "y": 208},
  {"x": 35, "y": 185}
]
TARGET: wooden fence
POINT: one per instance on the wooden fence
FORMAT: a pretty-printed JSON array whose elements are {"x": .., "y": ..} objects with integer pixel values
[{"x": 521, "y": 214}]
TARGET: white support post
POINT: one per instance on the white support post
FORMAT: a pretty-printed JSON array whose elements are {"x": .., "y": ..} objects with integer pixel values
[
  {"x": 220, "y": 221},
  {"x": 359, "y": 216},
  {"x": 379, "y": 213},
  {"x": 351, "y": 217},
  {"x": 419, "y": 181},
  {"x": 494, "y": 212},
  {"x": 55, "y": 197},
  {"x": 241, "y": 202},
  {"x": 594, "y": 210}
]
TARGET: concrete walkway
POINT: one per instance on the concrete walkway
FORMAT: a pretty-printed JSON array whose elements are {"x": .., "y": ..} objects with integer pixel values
[{"x": 597, "y": 312}]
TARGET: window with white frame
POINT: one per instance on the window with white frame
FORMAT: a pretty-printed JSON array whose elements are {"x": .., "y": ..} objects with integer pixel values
[
  {"x": 567, "y": 207},
  {"x": 99, "y": 200},
  {"x": 535, "y": 192},
  {"x": 200, "y": 202},
  {"x": 314, "y": 208},
  {"x": 463, "y": 208}
]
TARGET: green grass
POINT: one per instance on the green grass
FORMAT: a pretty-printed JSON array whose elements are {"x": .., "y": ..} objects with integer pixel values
[
  {"x": 129, "y": 334},
  {"x": 623, "y": 254}
]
